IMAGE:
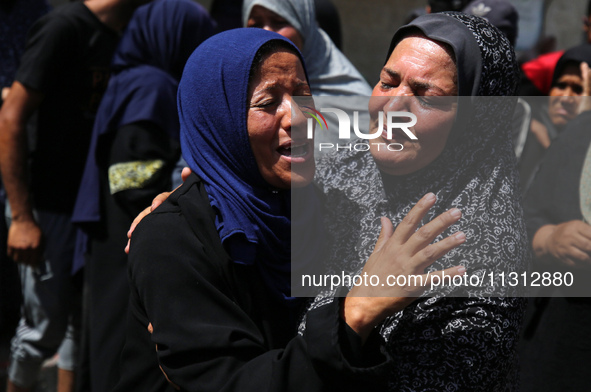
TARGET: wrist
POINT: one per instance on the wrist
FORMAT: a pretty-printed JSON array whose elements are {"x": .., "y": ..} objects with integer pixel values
[
  {"x": 24, "y": 217},
  {"x": 359, "y": 314},
  {"x": 541, "y": 242}
]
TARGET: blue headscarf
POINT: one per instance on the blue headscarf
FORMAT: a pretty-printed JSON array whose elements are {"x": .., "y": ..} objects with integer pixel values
[
  {"x": 147, "y": 66},
  {"x": 252, "y": 219}
]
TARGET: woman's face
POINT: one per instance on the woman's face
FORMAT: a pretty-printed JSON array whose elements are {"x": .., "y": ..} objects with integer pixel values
[
  {"x": 565, "y": 96},
  {"x": 279, "y": 77},
  {"x": 269, "y": 20},
  {"x": 422, "y": 72}
]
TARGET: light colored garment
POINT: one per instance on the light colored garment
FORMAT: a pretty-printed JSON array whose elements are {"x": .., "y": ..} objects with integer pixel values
[{"x": 329, "y": 71}]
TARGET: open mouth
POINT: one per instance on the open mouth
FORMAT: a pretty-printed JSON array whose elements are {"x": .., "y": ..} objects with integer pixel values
[{"x": 294, "y": 150}]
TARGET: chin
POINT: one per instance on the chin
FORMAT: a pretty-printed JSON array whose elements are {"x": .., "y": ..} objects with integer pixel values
[{"x": 302, "y": 177}]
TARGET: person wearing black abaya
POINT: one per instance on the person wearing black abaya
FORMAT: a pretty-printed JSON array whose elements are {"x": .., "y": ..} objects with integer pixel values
[
  {"x": 556, "y": 344},
  {"x": 133, "y": 149},
  {"x": 443, "y": 343},
  {"x": 550, "y": 119}
]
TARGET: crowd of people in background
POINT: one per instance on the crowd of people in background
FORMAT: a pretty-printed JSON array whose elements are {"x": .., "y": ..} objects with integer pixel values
[{"x": 103, "y": 101}]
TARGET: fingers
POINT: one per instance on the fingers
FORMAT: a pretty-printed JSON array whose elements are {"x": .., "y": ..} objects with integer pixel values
[
  {"x": 385, "y": 233},
  {"x": 158, "y": 200},
  {"x": 585, "y": 75},
  {"x": 31, "y": 257},
  {"x": 25, "y": 243},
  {"x": 151, "y": 331},
  {"x": 186, "y": 173},
  {"x": 411, "y": 221},
  {"x": 431, "y": 253},
  {"x": 435, "y": 278},
  {"x": 135, "y": 222},
  {"x": 426, "y": 234}
]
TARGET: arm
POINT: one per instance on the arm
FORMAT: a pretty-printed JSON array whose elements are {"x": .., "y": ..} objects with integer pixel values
[
  {"x": 24, "y": 235},
  {"x": 208, "y": 341},
  {"x": 214, "y": 344},
  {"x": 568, "y": 243}
]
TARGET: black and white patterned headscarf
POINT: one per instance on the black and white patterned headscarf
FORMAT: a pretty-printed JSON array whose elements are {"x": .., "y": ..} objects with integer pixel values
[
  {"x": 444, "y": 343},
  {"x": 475, "y": 172}
]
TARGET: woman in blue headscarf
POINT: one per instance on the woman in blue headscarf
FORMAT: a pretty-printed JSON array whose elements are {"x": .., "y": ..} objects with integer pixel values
[
  {"x": 210, "y": 268},
  {"x": 134, "y": 147}
]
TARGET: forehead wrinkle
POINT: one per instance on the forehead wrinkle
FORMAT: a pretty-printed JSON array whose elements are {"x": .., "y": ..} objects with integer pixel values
[{"x": 416, "y": 83}]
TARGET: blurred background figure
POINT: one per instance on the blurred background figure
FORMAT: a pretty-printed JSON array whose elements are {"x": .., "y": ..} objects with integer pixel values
[
  {"x": 538, "y": 73},
  {"x": 329, "y": 71},
  {"x": 16, "y": 16},
  {"x": 133, "y": 150},
  {"x": 556, "y": 344},
  {"x": 327, "y": 16},
  {"x": 61, "y": 77},
  {"x": 228, "y": 15},
  {"x": 550, "y": 117},
  {"x": 446, "y": 5}
]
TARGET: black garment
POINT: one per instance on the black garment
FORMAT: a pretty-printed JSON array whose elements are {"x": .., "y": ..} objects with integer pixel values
[
  {"x": 106, "y": 271},
  {"x": 67, "y": 58},
  {"x": 216, "y": 327},
  {"x": 328, "y": 19},
  {"x": 533, "y": 152},
  {"x": 555, "y": 347},
  {"x": 554, "y": 194}
]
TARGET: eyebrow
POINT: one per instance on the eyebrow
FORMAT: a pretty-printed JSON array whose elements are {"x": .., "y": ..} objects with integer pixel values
[
  {"x": 274, "y": 85},
  {"x": 414, "y": 82}
]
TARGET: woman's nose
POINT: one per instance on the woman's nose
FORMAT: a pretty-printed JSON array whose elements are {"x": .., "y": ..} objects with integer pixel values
[
  {"x": 398, "y": 102},
  {"x": 285, "y": 113}
]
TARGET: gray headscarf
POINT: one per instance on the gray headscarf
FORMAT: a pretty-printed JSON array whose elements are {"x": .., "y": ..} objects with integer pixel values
[{"x": 329, "y": 71}]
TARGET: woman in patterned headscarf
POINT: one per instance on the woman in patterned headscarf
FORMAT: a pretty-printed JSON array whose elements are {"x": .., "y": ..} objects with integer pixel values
[{"x": 466, "y": 159}]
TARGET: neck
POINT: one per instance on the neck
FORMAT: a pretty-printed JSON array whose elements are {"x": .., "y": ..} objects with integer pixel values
[{"x": 113, "y": 13}]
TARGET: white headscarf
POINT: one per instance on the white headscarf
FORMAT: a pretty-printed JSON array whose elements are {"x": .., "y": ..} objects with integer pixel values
[{"x": 329, "y": 71}]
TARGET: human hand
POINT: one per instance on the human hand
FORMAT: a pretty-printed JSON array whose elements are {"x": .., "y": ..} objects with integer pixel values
[
  {"x": 151, "y": 331},
  {"x": 186, "y": 173},
  {"x": 568, "y": 243},
  {"x": 540, "y": 132},
  {"x": 4, "y": 93},
  {"x": 24, "y": 243},
  {"x": 586, "y": 76},
  {"x": 407, "y": 252},
  {"x": 155, "y": 203}
]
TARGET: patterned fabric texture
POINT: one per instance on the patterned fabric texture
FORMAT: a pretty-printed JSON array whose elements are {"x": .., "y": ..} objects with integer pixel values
[
  {"x": 133, "y": 175},
  {"x": 442, "y": 343}
]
